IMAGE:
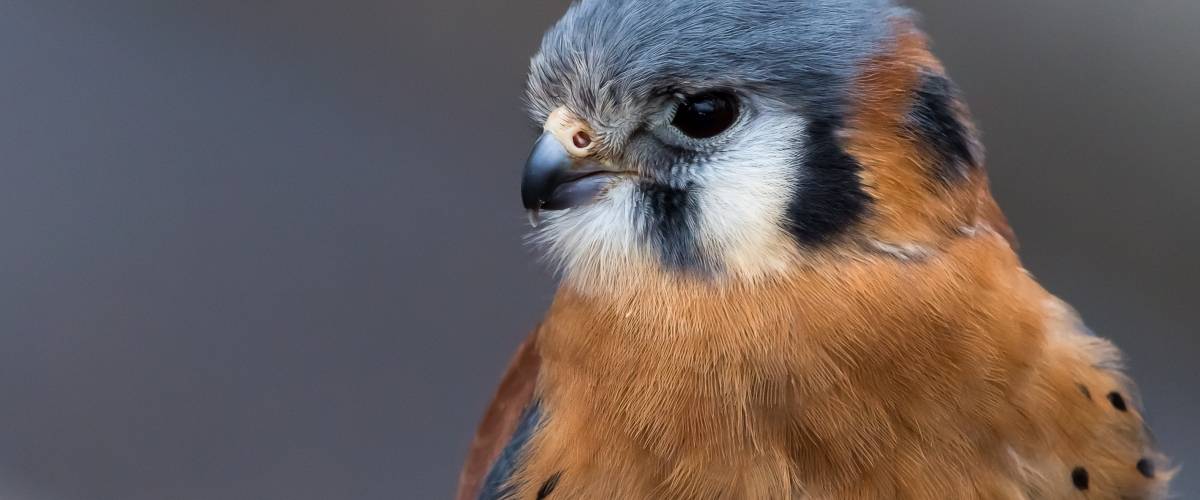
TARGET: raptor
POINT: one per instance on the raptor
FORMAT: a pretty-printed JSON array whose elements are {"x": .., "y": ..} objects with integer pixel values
[{"x": 783, "y": 276}]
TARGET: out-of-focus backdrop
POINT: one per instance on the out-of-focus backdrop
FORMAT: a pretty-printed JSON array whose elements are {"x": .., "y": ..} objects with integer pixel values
[{"x": 273, "y": 250}]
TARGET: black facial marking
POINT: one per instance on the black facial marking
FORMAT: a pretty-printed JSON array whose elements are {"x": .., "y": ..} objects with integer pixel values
[
  {"x": 548, "y": 487},
  {"x": 934, "y": 120},
  {"x": 1118, "y": 401},
  {"x": 671, "y": 212},
  {"x": 830, "y": 197},
  {"x": 1079, "y": 477},
  {"x": 1146, "y": 467}
]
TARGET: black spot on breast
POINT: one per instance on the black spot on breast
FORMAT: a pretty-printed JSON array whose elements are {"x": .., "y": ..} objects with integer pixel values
[
  {"x": 938, "y": 125},
  {"x": 1118, "y": 401},
  {"x": 1146, "y": 467},
  {"x": 1079, "y": 477},
  {"x": 1083, "y": 389},
  {"x": 548, "y": 487},
  {"x": 829, "y": 197}
]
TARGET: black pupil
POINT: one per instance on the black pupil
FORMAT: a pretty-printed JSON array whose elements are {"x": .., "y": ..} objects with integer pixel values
[{"x": 705, "y": 115}]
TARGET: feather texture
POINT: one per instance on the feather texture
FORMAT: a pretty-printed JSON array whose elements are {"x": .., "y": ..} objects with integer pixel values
[
  {"x": 953, "y": 377},
  {"x": 910, "y": 357}
]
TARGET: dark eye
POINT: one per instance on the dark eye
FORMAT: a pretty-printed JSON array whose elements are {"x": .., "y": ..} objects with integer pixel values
[{"x": 706, "y": 115}]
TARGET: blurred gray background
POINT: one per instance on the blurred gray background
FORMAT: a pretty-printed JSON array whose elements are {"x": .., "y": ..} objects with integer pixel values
[{"x": 273, "y": 250}]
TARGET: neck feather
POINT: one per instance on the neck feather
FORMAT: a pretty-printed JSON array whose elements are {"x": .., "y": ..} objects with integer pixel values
[{"x": 690, "y": 371}]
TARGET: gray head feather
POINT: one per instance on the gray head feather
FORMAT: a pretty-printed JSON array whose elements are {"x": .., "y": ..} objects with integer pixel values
[
  {"x": 715, "y": 207},
  {"x": 606, "y": 58}
]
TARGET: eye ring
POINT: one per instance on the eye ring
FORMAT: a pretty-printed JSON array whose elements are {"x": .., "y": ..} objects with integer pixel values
[{"x": 706, "y": 114}]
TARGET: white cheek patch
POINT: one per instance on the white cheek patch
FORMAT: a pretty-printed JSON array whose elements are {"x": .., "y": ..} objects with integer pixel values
[
  {"x": 743, "y": 196},
  {"x": 589, "y": 242}
]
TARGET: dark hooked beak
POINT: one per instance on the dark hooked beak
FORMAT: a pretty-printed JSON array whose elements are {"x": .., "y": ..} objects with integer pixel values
[{"x": 555, "y": 180}]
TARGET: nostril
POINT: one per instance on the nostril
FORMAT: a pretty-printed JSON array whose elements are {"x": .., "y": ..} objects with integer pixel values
[{"x": 581, "y": 139}]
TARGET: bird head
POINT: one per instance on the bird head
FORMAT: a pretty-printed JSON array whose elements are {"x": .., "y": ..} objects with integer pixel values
[{"x": 720, "y": 140}]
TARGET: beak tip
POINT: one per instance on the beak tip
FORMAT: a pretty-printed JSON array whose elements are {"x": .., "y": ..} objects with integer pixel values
[{"x": 544, "y": 169}]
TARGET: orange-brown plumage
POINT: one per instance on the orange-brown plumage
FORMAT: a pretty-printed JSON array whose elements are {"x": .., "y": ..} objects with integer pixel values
[
  {"x": 912, "y": 358},
  {"x": 953, "y": 377}
]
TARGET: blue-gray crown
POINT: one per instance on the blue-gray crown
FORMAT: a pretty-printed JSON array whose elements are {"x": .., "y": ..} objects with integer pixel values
[{"x": 605, "y": 57}]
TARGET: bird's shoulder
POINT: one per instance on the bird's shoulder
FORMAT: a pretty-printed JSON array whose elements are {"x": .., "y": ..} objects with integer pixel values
[
  {"x": 510, "y": 415},
  {"x": 1085, "y": 431}
]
